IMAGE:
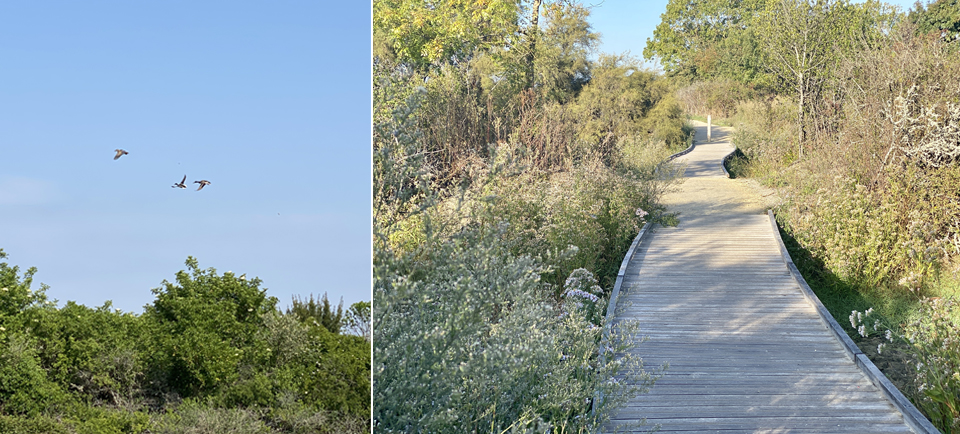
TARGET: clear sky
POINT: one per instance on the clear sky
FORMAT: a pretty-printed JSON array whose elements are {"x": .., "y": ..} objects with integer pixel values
[
  {"x": 269, "y": 101},
  {"x": 625, "y": 25}
]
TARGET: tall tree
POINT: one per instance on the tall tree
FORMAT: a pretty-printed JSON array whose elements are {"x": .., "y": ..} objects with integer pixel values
[
  {"x": 688, "y": 40},
  {"x": 942, "y": 16},
  {"x": 423, "y": 33},
  {"x": 319, "y": 312},
  {"x": 358, "y": 319},
  {"x": 532, "y": 33},
  {"x": 563, "y": 56},
  {"x": 803, "y": 40}
]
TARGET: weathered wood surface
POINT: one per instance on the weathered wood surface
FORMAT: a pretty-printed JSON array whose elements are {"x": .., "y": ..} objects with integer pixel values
[{"x": 747, "y": 352}]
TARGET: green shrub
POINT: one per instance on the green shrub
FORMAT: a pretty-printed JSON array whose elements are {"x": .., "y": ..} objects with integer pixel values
[
  {"x": 24, "y": 387},
  {"x": 95, "y": 353},
  {"x": 87, "y": 419},
  {"x": 932, "y": 340},
  {"x": 15, "y": 292},
  {"x": 935, "y": 341},
  {"x": 39, "y": 424},
  {"x": 471, "y": 344},
  {"x": 193, "y": 417},
  {"x": 204, "y": 327},
  {"x": 336, "y": 374},
  {"x": 666, "y": 123},
  {"x": 719, "y": 98},
  {"x": 592, "y": 207},
  {"x": 470, "y": 330},
  {"x": 299, "y": 419}
]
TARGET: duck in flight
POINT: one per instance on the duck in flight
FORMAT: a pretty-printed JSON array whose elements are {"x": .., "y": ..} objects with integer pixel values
[
  {"x": 202, "y": 182},
  {"x": 181, "y": 184},
  {"x": 120, "y": 153}
]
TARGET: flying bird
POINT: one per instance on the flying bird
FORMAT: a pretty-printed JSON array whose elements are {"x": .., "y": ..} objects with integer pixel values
[
  {"x": 120, "y": 153},
  {"x": 181, "y": 184},
  {"x": 202, "y": 182}
]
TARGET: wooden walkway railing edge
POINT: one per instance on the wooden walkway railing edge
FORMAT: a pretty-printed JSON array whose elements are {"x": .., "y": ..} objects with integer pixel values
[
  {"x": 612, "y": 304},
  {"x": 615, "y": 293},
  {"x": 911, "y": 415}
]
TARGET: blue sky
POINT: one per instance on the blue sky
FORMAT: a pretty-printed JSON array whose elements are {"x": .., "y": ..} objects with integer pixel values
[{"x": 269, "y": 101}]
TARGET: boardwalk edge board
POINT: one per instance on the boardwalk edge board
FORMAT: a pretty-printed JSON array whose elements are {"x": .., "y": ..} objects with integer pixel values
[
  {"x": 615, "y": 294},
  {"x": 612, "y": 305},
  {"x": 911, "y": 415},
  {"x": 726, "y": 159},
  {"x": 693, "y": 144}
]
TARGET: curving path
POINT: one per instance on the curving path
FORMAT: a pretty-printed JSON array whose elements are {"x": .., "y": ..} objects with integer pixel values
[{"x": 748, "y": 351}]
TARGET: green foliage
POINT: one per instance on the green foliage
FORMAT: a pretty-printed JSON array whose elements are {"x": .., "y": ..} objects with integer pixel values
[
  {"x": 24, "y": 387},
  {"x": 203, "y": 328},
  {"x": 296, "y": 418},
  {"x": 470, "y": 335},
  {"x": 87, "y": 419},
  {"x": 15, "y": 292},
  {"x": 692, "y": 37},
  {"x": 935, "y": 339},
  {"x": 216, "y": 337},
  {"x": 718, "y": 98},
  {"x": 321, "y": 313},
  {"x": 342, "y": 382},
  {"x": 39, "y": 424},
  {"x": 93, "y": 352},
  {"x": 932, "y": 339},
  {"x": 562, "y": 63},
  {"x": 666, "y": 123},
  {"x": 358, "y": 319},
  {"x": 422, "y": 33},
  {"x": 192, "y": 417},
  {"x": 591, "y": 207},
  {"x": 941, "y": 17},
  {"x": 469, "y": 344},
  {"x": 323, "y": 369},
  {"x": 622, "y": 101}
]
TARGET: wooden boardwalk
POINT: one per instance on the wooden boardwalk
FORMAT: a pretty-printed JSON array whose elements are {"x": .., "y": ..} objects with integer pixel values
[{"x": 747, "y": 351}]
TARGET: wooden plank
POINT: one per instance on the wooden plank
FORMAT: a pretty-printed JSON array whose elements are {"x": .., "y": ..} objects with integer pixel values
[{"x": 748, "y": 350}]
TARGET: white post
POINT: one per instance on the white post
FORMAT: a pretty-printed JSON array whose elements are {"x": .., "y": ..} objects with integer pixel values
[{"x": 709, "y": 125}]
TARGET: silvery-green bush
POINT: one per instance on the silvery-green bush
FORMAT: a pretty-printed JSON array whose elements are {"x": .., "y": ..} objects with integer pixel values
[{"x": 468, "y": 336}]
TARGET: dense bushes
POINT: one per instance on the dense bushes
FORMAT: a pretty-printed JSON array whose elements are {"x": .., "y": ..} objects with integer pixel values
[
  {"x": 475, "y": 327},
  {"x": 211, "y": 354}
]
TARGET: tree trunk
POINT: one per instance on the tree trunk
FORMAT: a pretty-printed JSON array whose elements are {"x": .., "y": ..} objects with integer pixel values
[
  {"x": 533, "y": 31},
  {"x": 800, "y": 106}
]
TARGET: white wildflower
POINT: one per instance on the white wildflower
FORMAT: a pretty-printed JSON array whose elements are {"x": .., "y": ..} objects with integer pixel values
[{"x": 889, "y": 335}]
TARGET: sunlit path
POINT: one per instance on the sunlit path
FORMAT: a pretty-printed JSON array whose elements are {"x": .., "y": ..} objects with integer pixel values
[{"x": 748, "y": 352}]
